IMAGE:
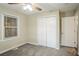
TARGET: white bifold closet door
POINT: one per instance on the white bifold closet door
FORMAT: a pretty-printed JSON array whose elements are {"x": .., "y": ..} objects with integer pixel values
[
  {"x": 51, "y": 32},
  {"x": 42, "y": 31},
  {"x": 47, "y": 31}
]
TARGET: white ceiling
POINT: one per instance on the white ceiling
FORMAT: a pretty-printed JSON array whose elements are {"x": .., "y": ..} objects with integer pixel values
[{"x": 63, "y": 7}]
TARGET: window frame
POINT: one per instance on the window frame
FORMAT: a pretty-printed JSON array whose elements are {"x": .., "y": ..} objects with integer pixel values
[{"x": 3, "y": 30}]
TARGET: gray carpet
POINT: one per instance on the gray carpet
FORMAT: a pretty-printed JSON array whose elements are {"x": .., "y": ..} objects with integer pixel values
[{"x": 33, "y": 50}]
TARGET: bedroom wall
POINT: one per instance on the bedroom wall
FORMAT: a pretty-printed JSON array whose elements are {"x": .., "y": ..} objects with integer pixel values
[
  {"x": 21, "y": 39},
  {"x": 32, "y": 30},
  {"x": 67, "y": 13}
]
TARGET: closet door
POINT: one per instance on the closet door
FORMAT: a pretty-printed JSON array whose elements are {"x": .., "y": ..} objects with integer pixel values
[
  {"x": 42, "y": 31},
  {"x": 51, "y": 32},
  {"x": 47, "y": 31}
]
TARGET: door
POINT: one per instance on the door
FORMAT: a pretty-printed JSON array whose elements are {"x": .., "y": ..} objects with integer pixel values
[
  {"x": 41, "y": 31},
  {"x": 47, "y": 31},
  {"x": 68, "y": 32},
  {"x": 51, "y": 32}
]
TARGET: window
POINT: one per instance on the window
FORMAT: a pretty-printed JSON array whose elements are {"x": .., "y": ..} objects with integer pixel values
[{"x": 10, "y": 26}]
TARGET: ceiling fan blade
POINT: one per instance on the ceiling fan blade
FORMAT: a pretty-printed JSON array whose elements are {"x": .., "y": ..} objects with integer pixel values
[
  {"x": 39, "y": 9},
  {"x": 13, "y": 3}
]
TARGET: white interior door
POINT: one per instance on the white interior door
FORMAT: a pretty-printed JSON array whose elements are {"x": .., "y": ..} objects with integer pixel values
[
  {"x": 68, "y": 32},
  {"x": 42, "y": 31},
  {"x": 51, "y": 32},
  {"x": 47, "y": 31}
]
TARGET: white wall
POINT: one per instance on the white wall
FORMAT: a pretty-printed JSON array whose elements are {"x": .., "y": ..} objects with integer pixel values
[
  {"x": 10, "y": 43},
  {"x": 32, "y": 27},
  {"x": 67, "y": 13},
  {"x": 32, "y": 30}
]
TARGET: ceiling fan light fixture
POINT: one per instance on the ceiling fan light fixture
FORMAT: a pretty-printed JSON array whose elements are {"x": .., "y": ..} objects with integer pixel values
[{"x": 29, "y": 7}]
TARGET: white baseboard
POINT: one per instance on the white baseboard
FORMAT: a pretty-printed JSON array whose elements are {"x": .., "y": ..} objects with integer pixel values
[
  {"x": 32, "y": 43},
  {"x": 11, "y": 48}
]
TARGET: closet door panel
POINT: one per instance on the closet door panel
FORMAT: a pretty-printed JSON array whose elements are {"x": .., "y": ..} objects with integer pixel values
[
  {"x": 51, "y": 32},
  {"x": 42, "y": 32}
]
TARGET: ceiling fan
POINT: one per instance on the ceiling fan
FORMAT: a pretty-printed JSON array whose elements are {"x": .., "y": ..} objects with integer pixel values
[{"x": 30, "y": 6}]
